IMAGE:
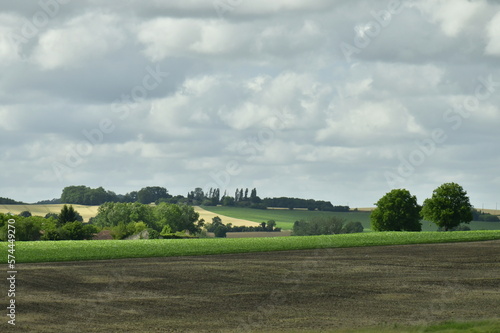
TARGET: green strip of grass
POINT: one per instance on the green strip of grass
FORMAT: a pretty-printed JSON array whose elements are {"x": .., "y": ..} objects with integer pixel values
[
  {"x": 484, "y": 326},
  {"x": 50, "y": 251}
]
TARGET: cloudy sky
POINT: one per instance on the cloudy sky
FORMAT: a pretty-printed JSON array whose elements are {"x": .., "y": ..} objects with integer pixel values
[{"x": 332, "y": 100}]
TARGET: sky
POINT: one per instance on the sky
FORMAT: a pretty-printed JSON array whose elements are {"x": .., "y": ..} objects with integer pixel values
[{"x": 330, "y": 100}]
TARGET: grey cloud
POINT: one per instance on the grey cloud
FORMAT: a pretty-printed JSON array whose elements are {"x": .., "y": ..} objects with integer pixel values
[{"x": 265, "y": 86}]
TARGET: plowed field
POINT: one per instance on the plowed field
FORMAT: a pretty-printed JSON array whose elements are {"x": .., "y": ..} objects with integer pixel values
[{"x": 274, "y": 291}]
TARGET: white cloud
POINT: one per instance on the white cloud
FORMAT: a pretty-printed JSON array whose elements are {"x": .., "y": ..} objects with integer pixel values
[
  {"x": 165, "y": 37},
  {"x": 87, "y": 37},
  {"x": 453, "y": 16},
  {"x": 369, "y": 123},
  {"x": 493, "y": 46}
]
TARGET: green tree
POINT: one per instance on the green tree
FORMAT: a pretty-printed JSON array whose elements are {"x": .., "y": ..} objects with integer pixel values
[
  {"x": 78, "y": 231},
  {"x": 69, "y": 214},
  {"x": 397, "y": 210},
  {"x": 178, "y": 217},
  {"x": 25, "y": 213},
  {"x": 448, "y": 207},
  {"x": 27, "y": 228},
  {"x": 220, "y": 231},
  {"x": 271, "y": 224},
  {"x": 51, "y": 215},
  {"x": 148, "y": 195}
]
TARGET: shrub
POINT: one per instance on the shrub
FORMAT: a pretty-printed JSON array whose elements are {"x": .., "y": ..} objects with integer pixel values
[
  {"x": 25, "y": 213},
  {"x": 321, "y": 225},
  {"x": 220, "y": 231},
  {"x": 153, "y": 234},
  {"x": 78, "y": 231},
  {"x": 352, "y": 227}
]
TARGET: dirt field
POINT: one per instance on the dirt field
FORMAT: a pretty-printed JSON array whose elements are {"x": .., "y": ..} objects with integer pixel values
[{"x": 278, "y": 291}]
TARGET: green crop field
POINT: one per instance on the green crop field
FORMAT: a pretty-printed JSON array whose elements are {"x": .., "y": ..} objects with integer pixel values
[
  {"x": 49, "y": 251},
  {"x": 484, "y": 326},
  {"x": 285, "y": 218}
]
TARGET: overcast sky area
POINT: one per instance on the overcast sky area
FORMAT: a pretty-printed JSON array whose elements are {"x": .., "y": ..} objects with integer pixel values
[{"x": 330, "y": 100}]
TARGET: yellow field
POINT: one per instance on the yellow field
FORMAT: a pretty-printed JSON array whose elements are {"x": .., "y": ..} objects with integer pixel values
[
  {"x": 90, "y": 211},
  {"x": 41, "y": 210},
  {"x": 207, "y": 216},
  {"x": 490, "y": 211}
]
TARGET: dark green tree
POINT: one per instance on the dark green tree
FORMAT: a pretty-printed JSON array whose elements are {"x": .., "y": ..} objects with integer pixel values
[
  {"x": 25, "y": 213},
  {"x": 68, "y": 214},
  {"x": 448, "y": 207},
  {"x": 271, "y": 224},
  {"x": 151, "y": 194},
  {"x": 78, "y": 231},
  {"x": 352, "y": 227},
  {"x": 397, "y": 210}
]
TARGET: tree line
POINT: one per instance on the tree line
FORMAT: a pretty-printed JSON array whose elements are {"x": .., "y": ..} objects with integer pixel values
[
  {"x": 7, "y": 201},
  {"x": 243, "y": 197}
]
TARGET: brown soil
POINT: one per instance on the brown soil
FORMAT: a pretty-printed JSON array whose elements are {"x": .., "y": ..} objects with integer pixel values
[{"x": 277, "y": 291}]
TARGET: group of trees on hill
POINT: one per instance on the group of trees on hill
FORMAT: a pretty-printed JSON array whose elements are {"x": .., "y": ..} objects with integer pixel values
[
  {"x": 398, "y": 210},
  {"x": 7, "y": 201},
  {"x": 243, "y": 197},
  {"x": 85, "y": 195}
]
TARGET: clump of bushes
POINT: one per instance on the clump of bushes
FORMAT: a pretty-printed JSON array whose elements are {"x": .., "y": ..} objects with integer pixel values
[
  {"x": 63, "y": 226},
  {"x": 325, "y": 225}
]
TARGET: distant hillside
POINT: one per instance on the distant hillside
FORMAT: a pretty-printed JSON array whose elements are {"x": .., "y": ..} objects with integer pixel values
[{"x": 7, "y": 201}]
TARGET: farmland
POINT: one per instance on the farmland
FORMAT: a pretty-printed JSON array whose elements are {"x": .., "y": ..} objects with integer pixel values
[
  {"x": 41, "y": 210},
  {"x": 246, "y": 216},
  {"x": 285, "y": 218},
  {"x": 386, "y": 288},
  {"x": 47, "y": 251}
]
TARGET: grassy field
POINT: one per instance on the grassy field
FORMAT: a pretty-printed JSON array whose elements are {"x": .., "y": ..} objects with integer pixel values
[
  {"x": 285, "y": 218},
  {"x": 50, "y": 251},
  {"x": 484, "y": 326}
]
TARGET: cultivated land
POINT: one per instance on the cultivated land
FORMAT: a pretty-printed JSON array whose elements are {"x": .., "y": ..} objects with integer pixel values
[
  {"x": 208, "y": 216},
  {"x": 246, "y": 216},
  {"x": 50, "y": 251},
  {"x": 41, "y": 210},
  {"x": 289, "y": 291},
  {"x": 285, "y": 218},
  {"x": 90, "y": 211}
]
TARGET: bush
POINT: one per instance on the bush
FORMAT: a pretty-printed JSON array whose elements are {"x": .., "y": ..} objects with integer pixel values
[
  {"x": 488, "y": 218},
  {"x": 153, "y": 234},
  {"x": 220, "y": 231},
  {"x": 25, "y": 213},
  {"x": 123, "y": 230},
  {"x": 352, "y": 227},
  {"x": 78, "y": 231},
  {"x": 321, "y": 225},
  {"x": 458, "y": 228},
  {"x": 27, "y": 229},
  {"x": 51, "y": 215}
]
